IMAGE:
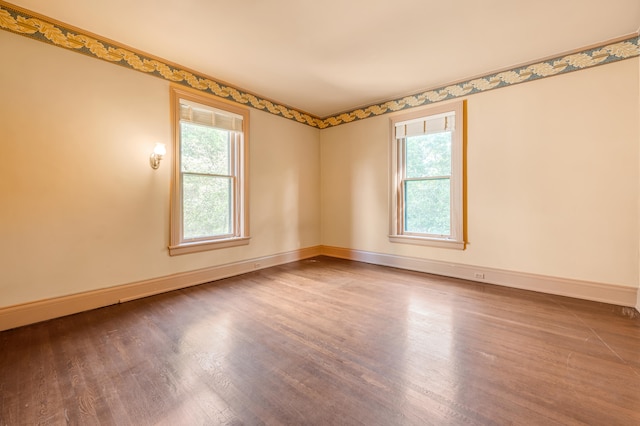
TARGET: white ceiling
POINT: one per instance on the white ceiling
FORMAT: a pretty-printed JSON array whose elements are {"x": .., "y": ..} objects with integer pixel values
[{"x": 328, "y": 56}]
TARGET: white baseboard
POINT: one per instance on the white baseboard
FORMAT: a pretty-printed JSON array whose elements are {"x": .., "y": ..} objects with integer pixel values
[
  {"x": 599, "y": 292},
  {"x": 42, "y": 310}
]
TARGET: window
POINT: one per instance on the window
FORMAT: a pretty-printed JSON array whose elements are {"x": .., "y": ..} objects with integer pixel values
[
  {"x": 209, "y": 203},
  {"x": 427, "y": 177}
]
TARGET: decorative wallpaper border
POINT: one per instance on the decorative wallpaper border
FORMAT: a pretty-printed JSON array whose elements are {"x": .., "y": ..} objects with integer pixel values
[
  {"x": 40, "y": 28},
  {"x": 600, "y": 55}
]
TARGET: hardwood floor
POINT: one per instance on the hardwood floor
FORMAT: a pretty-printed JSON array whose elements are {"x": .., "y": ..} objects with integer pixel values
[{"x": 328, "y": 342}]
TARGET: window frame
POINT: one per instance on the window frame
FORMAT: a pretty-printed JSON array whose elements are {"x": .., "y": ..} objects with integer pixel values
[
  {"x": 240, "y": 180},
  {"x": 457, "y": 237}
]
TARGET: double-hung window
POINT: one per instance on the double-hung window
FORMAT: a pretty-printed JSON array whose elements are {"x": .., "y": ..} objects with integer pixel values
[
  {"x": 427, "y": 177},
  {"x": 209, "y": 207}
]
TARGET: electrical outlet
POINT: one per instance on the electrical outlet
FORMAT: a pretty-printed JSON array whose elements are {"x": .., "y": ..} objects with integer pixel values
[{"x": 478, "y": 275}]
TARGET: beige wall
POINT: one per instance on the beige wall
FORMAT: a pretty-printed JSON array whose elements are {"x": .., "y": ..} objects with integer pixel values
[
  {"x": 82, "y": 209},
  {"x": 552, "y": 179}
]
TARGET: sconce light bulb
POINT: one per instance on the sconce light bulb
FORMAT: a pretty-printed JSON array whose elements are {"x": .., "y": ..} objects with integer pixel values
[{"x": 160, "y": 149}]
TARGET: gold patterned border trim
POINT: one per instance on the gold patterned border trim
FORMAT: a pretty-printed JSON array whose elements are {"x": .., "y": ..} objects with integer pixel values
[
  {"x": 38, "y": 27},
  {"x": 600, "y": 55},
  {"x": 41, "y": 28}
]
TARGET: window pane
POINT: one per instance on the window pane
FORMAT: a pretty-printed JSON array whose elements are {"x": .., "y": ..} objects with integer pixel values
[
  {"x": 206, "y": 206},
  {"x": 427, "y": 206},
  {"x": 428, "y": 155},
  {"x": 205, "y": 149}
]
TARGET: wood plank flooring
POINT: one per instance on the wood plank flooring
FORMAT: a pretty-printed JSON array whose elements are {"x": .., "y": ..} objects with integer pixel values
[{"x": 328, "y": 342}]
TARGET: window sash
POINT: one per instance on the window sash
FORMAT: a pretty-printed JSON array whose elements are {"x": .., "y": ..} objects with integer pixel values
[
  {"x": 200, "y": 163},
  {"x": 408, "y": 226},
  {"x": 403, "y": 194},
  {"x": 232, "y": 216},
  {"x": 189, "y": 235}
]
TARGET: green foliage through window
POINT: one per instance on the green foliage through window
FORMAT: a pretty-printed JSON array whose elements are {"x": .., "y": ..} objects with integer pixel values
[
  {"x": 207, "y": 184},
  {"x": 426, "y": 184}
]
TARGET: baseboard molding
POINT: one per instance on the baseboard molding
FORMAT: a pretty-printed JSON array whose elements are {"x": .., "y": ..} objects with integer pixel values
[
  {"x": 42, "y": 310},
  {"x": 599, "y": 292},
  {"x": 33, "y": 312}
]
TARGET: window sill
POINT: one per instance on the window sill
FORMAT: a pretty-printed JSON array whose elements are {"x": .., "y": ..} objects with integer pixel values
[
  {"x": 199, "y": 246},
  {"x": 425, "y": 241}
]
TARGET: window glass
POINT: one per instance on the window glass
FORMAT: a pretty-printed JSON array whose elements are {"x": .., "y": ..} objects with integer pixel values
[
  {"x": 427, "y": 206},
  {"x": 204, "y": 149},
  {"x": 428, "y": 155},
  {"x": 207, "y": 206}
]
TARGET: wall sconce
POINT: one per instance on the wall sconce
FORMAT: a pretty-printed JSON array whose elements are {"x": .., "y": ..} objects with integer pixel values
[{"x": 158, "y": 152}]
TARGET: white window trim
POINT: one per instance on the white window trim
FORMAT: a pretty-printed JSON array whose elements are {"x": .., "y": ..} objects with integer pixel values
[
  {"x": 396, "y": 214},
  {"x": 178, "y": 245}
]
